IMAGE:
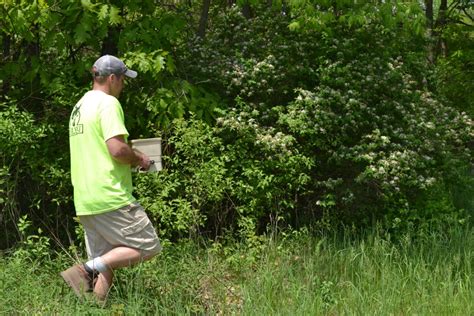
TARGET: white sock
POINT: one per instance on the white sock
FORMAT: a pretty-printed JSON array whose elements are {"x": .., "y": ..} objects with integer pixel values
[{"x": 97, "y": 264}]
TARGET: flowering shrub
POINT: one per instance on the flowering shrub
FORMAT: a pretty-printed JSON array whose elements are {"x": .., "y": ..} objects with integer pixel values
[
  {"x": 369, "y": 125},
  {"x": 353, "y": 104},
  {"x": 366, "y": 143}
]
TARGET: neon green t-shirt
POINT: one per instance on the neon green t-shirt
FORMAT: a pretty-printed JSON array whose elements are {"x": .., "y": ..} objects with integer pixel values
[{"x": 101, "y": 184}]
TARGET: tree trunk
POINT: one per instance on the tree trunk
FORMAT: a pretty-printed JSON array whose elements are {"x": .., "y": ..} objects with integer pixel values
[
  {"x": 6, "y": 43},
  {"x": 429, "y": 13},
  {"x": 32, "y": 51},
  {"x": 440, "y": 25},
  {"x": 247, "y": 10},
  {"x": 430, "y": 31},
  {"x": 203, "y": 20},
  {"x": 109, "y": 45}
]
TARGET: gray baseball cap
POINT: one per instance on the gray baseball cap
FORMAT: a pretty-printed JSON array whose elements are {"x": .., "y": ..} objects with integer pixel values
[{"x": 108, "y": 64}]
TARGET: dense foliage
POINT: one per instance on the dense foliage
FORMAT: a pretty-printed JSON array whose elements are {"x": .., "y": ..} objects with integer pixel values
[{"x": 275, "y": 113}]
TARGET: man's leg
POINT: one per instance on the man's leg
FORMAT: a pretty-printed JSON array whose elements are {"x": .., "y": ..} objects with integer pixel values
[
  {"x": 116, "y": 258},
  {"x": 121, "y": 257},
  {"x": 103, "y": 284},
  {"x": 118, "y": 239}
]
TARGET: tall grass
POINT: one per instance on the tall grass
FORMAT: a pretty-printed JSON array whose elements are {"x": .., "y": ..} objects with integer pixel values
[
  {"x": 334, "y": 275},
  {"x": 297, "y": 274}
]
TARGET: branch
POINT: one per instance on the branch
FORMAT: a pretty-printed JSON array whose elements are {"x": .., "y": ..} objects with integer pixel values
[
  {"x": 460, "y": 22},
  {"x": 469, "y": 16},
  {"x": 11, "y": 21},
  {"x": 453, "y": 5}
]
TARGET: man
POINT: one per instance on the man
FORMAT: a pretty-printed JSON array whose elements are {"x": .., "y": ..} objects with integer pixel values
[{"x": 118, "y": 232}]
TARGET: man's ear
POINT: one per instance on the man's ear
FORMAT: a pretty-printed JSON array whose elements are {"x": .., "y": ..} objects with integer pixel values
[{"x": 115, "y": 77}]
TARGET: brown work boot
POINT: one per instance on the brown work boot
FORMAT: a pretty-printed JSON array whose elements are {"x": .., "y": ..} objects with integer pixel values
[{"x": 78, "y": 279}]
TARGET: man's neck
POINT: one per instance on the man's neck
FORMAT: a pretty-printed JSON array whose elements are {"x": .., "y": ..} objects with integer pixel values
[{"x": 102, "y": 88}]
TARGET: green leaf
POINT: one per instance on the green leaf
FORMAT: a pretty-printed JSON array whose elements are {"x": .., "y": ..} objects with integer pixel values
[
  {"x": 177, "y": 109},
  {"x": 114, "y": 16},
  {"x": 86, "y": 4},
  {"x": 80, "y": 34},
  {"x": 159, "y": 63},
  {"x": 170, "y": 66},
  {"x": 103, "y": 12},
  {"x": 293, "y": 26}
]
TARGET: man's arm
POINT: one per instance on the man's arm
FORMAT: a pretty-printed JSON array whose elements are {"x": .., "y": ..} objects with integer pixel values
[{"x": 123, "y": 153}]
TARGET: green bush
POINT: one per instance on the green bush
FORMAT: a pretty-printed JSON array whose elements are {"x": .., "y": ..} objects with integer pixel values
[
  {"x": 231, "y": 176},
  {"x": 34, "y": 172},
  {"x": 19, "y": 136}
]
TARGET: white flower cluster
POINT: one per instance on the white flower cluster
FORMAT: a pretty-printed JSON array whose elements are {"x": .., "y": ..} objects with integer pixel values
[
  {"x": 267, "y": 138},
  {"x": 278, "y": 142},
  {"x": 254, "y": 76}
]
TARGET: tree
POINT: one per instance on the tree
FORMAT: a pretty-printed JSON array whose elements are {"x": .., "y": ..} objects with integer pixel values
[
  {"x": 450, "y": 49},
  {"x": 204, "y": 16}
]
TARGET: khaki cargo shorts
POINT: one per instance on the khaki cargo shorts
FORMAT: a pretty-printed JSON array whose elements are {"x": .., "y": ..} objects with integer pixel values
[{"x": 128, "y": 226}]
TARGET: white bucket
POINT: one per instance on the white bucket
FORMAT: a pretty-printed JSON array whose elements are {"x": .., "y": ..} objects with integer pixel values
[{"x": 152, "y": 148}]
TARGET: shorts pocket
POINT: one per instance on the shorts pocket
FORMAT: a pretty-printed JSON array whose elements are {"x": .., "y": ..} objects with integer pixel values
[{"x": 135, "y": 227}]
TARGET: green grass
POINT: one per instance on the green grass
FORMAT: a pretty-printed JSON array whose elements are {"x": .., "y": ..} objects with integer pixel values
[{"x": 300, "y": 274}]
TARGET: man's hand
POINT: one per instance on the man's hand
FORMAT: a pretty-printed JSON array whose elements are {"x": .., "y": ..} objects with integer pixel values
[
  {"x": 144, "y": 160},
  {"x": 123, "y": 153}
]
